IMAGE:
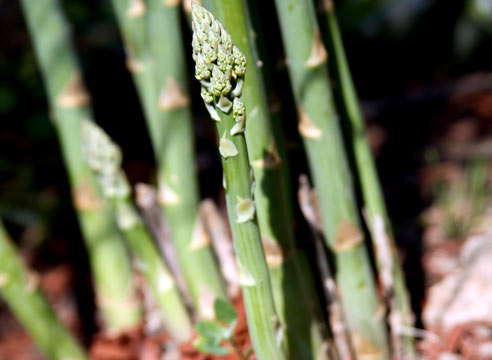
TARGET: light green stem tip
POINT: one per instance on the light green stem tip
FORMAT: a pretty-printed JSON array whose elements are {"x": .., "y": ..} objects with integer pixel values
[
  {"x": 219, "y": 66},
  {"x": 104, "y": 158}
]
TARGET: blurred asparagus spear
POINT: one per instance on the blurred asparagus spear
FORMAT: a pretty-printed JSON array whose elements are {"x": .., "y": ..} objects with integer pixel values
[
  {"x": 308, "y": 203},
  {"x": 291, "y": 279},
  {"x": 20, "y": 289},
  {"x": 155, "y": 58},
  {"x": 146, "y": 200},
  {"x": 104, "y": 158},
  {"x": 320, "y": 131},
  {"x": 69, "y": 102},
  {"x": 220, "y": 67},
  {"x": 388, "y": 264},
  {"x": 218, "y": 229}
]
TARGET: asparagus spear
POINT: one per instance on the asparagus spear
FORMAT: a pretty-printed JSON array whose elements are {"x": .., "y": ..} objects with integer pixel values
[
  {"x": 290, "y": 275},
  {"x": 21, "y": 292},
  {"x": 220, "y": 67},
  {"x": 104, "y": 159},
  {"x": 70, "y": 102},
  {"x": 320, "y": 131},
  {"x": 389, "y": 269},
  {"x": 155, "y": 58}
]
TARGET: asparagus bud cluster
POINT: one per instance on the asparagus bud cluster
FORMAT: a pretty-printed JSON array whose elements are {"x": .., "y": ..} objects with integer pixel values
[
  {"x": 104, "y": 158},
  {"x": 220, "y": 68}
]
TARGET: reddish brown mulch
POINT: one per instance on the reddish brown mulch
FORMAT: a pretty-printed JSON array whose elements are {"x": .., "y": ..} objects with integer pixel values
[
  {"x": 14, "y": 342},
  {"x": 134, "y": 344}
]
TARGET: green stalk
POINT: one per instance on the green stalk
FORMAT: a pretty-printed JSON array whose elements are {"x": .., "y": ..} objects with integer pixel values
[
  {"x": 104, "y": 158},
  {"x": 220, "y": 67},
  {"x": 176, "y": 156},
  {"x": 320, "y": 131},
  {"x": 156, "y": 60},
  {"x": 288, "y": 267},
  {"x": 391, "y": 274},
  {"x": 21, "y": 292},
  {"x": 69, "y": 102}
]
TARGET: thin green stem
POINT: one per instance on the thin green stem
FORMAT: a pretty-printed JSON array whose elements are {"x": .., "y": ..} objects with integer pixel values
[
  {"x": 69, "y": 102},
  {"x": 20, "y": 290},
  {"x": 320, "y": 131}
]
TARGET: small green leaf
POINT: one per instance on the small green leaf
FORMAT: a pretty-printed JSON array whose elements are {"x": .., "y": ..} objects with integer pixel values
[
  {"x": 209, "y": 347},
  {"x": 211, "y": 331},
  {"x": 224, "y": 311}
]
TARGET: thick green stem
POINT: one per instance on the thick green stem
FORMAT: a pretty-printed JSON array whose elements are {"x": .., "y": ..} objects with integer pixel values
[
  {"x": 219, "y": 66},
  {"x": 377, "y": 216},
  {"x": 154, "y": 46},
  {"x": 320, "y": 131},
  {"x": 69, "y": 102},
  {"x": 287, "y": 266},
  {"x": 20, "y": 289}
]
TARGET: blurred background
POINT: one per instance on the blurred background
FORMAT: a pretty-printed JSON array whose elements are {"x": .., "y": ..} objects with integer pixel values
[{"x": 423, "y": 71}]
